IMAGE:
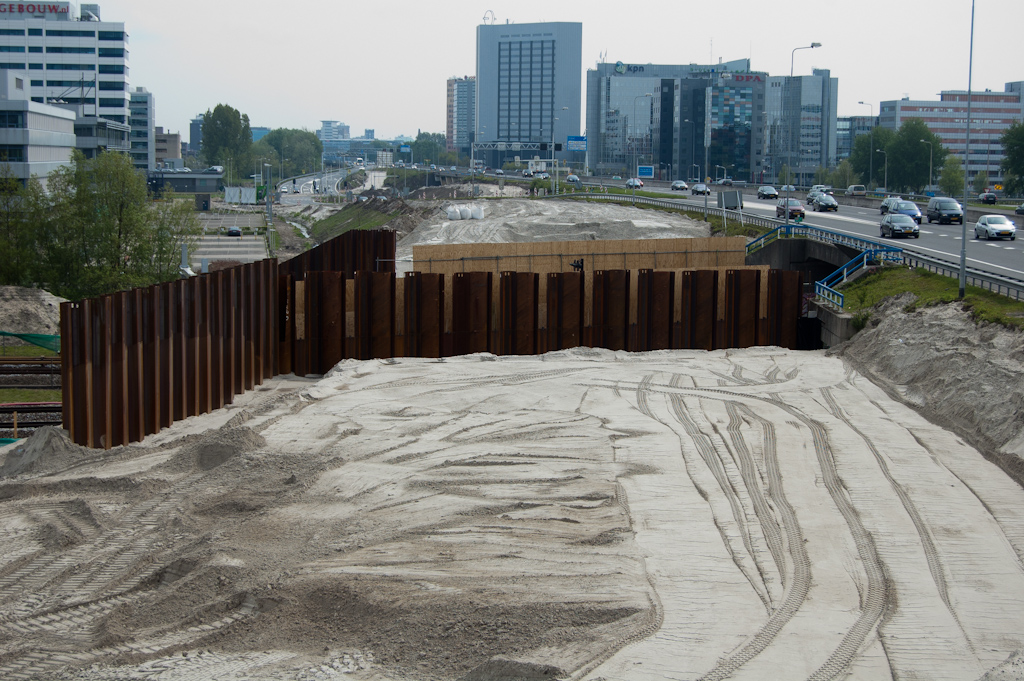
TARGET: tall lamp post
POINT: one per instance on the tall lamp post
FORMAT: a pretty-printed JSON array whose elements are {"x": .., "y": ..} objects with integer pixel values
[
  {"x": 930, "y": 148},
  {"x": 871, "y": 156},
  {"x": 634, "y": 178},
  {"x": 270, "y": 192},
  {"x": 886, "y": 180},
  {"x": 967, "y": 165},
  {"x": 789, "y": 151}
]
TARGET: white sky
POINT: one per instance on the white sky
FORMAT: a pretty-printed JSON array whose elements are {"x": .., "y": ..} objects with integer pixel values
[{"x": 383, "y": 64}]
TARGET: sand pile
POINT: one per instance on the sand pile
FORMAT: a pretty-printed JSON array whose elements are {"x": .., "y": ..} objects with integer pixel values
[
  {"x": 29, "y": 310},
  {"x": 963, "y": 376}
]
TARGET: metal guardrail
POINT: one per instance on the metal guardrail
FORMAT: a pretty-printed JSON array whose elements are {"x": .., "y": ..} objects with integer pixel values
[
  {"x": 1006, "y": 286},
  {"x": 674, "y": 204}
]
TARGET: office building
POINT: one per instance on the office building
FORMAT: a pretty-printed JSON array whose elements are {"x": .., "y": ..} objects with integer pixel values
[
  {"x": 72, "y": 57},
  {"x": 991, "y": 114},
  {"x": 94, "y": 135},
  {"x": 168, "y": 148},
  {"x": 143, "y": 115},
  {"x": 369, "y": 134},
  {"x": 35, "y": 138},
  {"x": 461, "y": 114},
  {"x": 332, "y": 130},
  {"x": 527, "y": 87},
  {"x": 688, "y": 121},
  {"x": 195, "y": 134},
  {"x": 801, "y": 124},
  {"x": 259, "y": 132},
  {"x": 848, "y": 129}
]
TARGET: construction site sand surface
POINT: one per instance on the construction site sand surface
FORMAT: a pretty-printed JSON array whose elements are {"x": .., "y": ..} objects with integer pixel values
[
  {"x": 588, "y": 514},
  {"x": 525, "y": 220}
]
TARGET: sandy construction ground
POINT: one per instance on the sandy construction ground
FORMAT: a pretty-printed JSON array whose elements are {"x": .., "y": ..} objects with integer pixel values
[{"x": 759, "y": 514}]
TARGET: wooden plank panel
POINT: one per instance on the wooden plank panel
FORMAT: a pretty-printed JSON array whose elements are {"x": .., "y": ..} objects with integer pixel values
[
  {"x": 331, "y": 314},
  {"x": 611, "y": 309},
  {"x": 424, "y": 314},
  {"x": 471, "y": 312},
  {"x": 743, "y": 297},
  {"x": 69, "y": 342}
]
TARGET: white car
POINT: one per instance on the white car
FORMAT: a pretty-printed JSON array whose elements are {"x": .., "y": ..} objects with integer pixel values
[
  {"x": 995, "y": 227},
  {"x": 542, "y": 176},
  {"x": 679, "y": 185},
  {"x": 499, "y": 171}
]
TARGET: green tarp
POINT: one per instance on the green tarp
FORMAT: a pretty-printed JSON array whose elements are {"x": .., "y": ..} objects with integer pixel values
[{"x": 42, "y": 340}]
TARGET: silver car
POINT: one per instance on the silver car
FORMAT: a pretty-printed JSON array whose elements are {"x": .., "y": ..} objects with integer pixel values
[{"x": 995, "y": 227}]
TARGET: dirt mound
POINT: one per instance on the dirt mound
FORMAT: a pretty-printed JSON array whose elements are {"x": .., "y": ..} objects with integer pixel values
[
  {"x": 510, "y": 670},
  {"x": 47, "y": 449},
  {"x": 29, "y": 310},
  {"x": 964, "y": 376},
  {"x": 219, "y": 447}
]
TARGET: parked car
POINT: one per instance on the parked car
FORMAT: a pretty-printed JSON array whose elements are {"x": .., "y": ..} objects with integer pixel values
[
  {"x": 987, "y": 197},
  {"x": 679, "y": 185},
  {"x": 700, "y": 188},
  {"x": 889, "y": 205},
  {"x": 826, "y": 202},
  {"x": 795, "y": 208},
  {"x": 234, "y": 231},
  {"x": 767, "y": 192},
  {"x": 634, "y": 182},
  {"x": 908, "y": 208},
  {"x": 856, "y": 190},
  {"x": 995, "y": 227},
  {"x": 944, "y": 209},
  {"x": 895, "y": 224}
]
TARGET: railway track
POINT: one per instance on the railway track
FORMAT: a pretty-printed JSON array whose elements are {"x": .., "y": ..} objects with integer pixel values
[{"x": 26, "y": 415}]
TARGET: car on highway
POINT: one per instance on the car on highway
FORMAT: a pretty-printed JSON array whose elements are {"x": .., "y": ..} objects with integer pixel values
[
  {"x": 907, "y": 208},
  {"x": 527, "y": 173},
  {"x": 895, "y": 224},
  {"x": 812, "y": 196},
  {"x": 453, "y": 168},
  {"x": 573, "y": 179},
  {"x": 616, "y": 177},
  {"x": 944, "y": 209},
  {"x": 856, "y": 190},
  {"x": 995, "y": 227},
  {"x": 767, "y": 192},
  {"x": 987, "y": 197},
  {"x": 634, "y": 182},
  {"x": 795, "y": 208},
  {"x": 284, "y": 190},
  {"x": 542, "y": 176},
  {"x": 700, "y": 188},
  {"x": 825, "y": 202},
  {"x": 787, "y": 188},
  {"x": 727, "y": 181},
  {"x": 433, "y": 166},
  {"x": 234, "y": 231},
  {"x": 889, "y": 205},
  {"x": 1020, "y": 209},
  {"x": 679, "y": 186},
  {"x": 499, "y": 171}
]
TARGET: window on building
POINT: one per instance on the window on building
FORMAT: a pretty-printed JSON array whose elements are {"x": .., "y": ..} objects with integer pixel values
[
  {"x": 112, "y": 85},
  {"x": 111, "y": 68},
  {"x": 35, "y": 48},
  {"x": 35, "y": 31},
  {"x": 70, "y": 67},
  {"x": 111, "y": 35},
  {"x": 71, "y": 83},
  {"x": 13, "y": 66},
  {"x": 70, "y": 50},
  {"x": 12, "y": 119},
  {"x": 112, "y": 103},
  {"x": 62, "y": 33},
  {"x": 11, "y": 31},
  {"x": 12, "y": 153},
  {"x": 37, "y": 83},
  {"x": 111, "y": 52},
  {"x": 12, "y": 48}
]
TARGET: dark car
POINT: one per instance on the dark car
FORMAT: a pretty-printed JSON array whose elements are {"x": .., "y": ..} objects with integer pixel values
[
  {"x": 987, "y": 197},
  {"x": 700, "y": 188},
  {"x": 1020, "y": 209},
  {"x": 908, "y": 208},
  {"x": 234, "y": 231},
  {"x": 895, "y": 224},
  {"x": 944, "y": 209},
  {"x": 795, "y": 208},
  {"x": 826, "y": 202},
  {"x": 767, "y": 192},
  {"x": 889, "y": 205}
]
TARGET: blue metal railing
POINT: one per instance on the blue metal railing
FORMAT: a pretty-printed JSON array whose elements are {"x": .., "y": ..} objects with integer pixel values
[{"x": 824, "y": 288}]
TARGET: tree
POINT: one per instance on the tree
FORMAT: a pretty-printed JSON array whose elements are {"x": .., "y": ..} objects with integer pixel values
[
  {"x": 1013, "y": 161},
  {"x": 843, "y": 176},
  {"x": 298, "y": 150},
  {"x": 226, "y": 135},
  {"x": 174, "y": 224},
  {"x": 909, "y": 156},
  {"x": 785, "y": 176},
  {"x": 952, "y": 180},
  {"x": 821, "y": 175},
  {"x": 981, "y": 182},
  {"x": 17, "y": 238},
  {"x": 861, "y": 155}
]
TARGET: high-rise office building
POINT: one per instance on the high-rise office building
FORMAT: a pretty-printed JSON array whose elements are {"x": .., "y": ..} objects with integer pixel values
[
  {"x": 688, "y": 121},
  {"x": 73, "y": 58},
  {"x": 991, "y": 114},
  {"x": 195, "y": 134},
  {"x": 848, "y": 129},
  {"x": 802, "y": 122},
  {"x": 142, "y": 122},
  {"x": 461, "y": 116},
  {"x": 527, "y": 85}
]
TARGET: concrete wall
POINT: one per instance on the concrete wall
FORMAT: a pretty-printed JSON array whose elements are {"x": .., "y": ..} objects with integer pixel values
[{"x": 836, "y": 327}]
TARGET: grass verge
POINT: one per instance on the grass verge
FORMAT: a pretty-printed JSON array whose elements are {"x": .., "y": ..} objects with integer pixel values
[
  {"x": 25, "y": 351},
  {"x": 719, "y": 227},
  {"x": 930, "y": 289},
  {"x": 359, "y": 215},
  {"x": 9, "y": 395}
]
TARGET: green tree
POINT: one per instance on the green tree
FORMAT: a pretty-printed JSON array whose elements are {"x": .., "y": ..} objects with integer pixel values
[
  {"x": 298, "y": 151},
  {"x": 861, "y": 155},
  {"x": 17, "y": 236},
  {"x": 1013, "y": 161},
  {"x": 843, "y": 176},
  {"x": 909, "y": 156},
  {"x": 981, "y": 182},
  {"x": 952, "y": 180},
  {"x": 821, "y": 175},
  {"x": 226, "y": 135},
  {"x": 785, "y": 175},
  {"x": 173, "y": 223}
]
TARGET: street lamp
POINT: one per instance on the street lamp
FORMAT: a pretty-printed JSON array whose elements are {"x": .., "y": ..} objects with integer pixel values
[
  {"x": 792, "y": 58},
  {"x": 929, "y": 163},
  {"x": 871, "y": 157},
  {"x": 696, "y": 172},
  {"x": 270, "y": 200},
  {"x": 635, "y": 170},
  {"x": 967, "y": 165},
  {"x": 886, "y": 180},
  {"x": 716, "y": 171}
]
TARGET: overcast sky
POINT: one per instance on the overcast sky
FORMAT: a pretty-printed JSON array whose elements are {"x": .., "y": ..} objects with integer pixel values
[{"x": 383, "y": 64}]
